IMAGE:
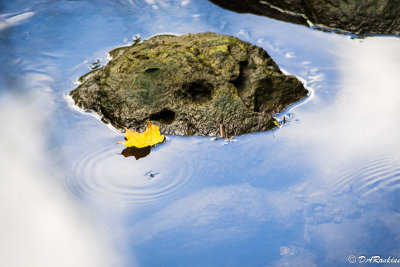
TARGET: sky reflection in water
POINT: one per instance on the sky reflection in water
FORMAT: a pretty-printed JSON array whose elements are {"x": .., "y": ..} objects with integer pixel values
[{"x": 324, "y": 186}]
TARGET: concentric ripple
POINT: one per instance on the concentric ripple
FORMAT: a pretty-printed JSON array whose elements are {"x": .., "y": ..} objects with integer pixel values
[
  {"x": 104, "y": 172},
  {"x": 381, "y": 172}
]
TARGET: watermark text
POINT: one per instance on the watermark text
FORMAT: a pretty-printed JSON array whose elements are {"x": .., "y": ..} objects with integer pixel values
[{"x": 373, "y": 259}]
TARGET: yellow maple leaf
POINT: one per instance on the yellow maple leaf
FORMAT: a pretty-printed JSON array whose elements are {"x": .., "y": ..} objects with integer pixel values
[{"x": 150, "y": 137}]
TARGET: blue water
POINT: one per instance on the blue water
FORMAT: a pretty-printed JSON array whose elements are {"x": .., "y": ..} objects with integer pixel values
[{"x": 322, "y": 187}]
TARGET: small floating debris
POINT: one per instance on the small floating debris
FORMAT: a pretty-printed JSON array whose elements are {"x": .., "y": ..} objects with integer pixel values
[
  {"x": 277, "y": 123},
  {"x": 223, "y": 135},
  {"x": 222, "y": 131},
  {"x": 284, "y": 120},
  {"x": 151, "y": 175},
  {"x": 136, "y": 40},
  {"x": 95, "y": 65},
  {"x": 228, "y": 140}
]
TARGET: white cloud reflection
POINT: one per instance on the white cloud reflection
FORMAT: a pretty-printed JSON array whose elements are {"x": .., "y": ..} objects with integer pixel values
[
  {"x": 364, "y": 115},
  {"x": 8, "y": 20},
  {"x": 343, "y": 136},
  {"x": 219, "y": 213},
  {"x": 40, "y": 226}
]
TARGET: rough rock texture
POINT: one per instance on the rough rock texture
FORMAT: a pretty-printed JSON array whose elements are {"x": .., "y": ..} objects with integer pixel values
[
  {"x": 356, "y": 16},
  {"x": 189, "y": 85}
]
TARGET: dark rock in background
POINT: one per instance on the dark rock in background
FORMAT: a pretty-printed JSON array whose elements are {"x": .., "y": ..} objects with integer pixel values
[{"x": 356, "y": 16}]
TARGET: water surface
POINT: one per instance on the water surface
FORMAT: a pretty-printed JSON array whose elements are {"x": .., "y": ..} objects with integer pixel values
[{"x": 319, "y": 189}]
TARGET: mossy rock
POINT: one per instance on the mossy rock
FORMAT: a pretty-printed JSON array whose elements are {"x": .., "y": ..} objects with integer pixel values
[{"x": 190, "y": 84}]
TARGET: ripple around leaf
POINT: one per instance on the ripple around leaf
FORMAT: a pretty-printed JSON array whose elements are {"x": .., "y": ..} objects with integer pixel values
[
  {"x": 105, "y": 172},
  {"x": 381, "y": 172}
]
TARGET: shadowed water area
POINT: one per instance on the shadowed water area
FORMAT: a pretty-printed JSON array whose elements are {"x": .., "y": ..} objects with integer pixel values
[{"x": 318, "y": 189}]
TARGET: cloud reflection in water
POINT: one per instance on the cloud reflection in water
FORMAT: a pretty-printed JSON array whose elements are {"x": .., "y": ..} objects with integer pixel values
[{"x": 41, "y": 225}]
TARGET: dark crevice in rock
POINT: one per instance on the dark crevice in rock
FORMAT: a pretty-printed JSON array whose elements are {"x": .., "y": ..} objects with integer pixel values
[
  {"x": 165, "y": 116},
  {"x": 150, "y": 70},
  {"x": 243, "y": 85},
  {"x": 144, "y": 57},
  {"x": 198, "y": 92},
  {"x": 240, "y": 82},
  {"x": 191, "y": 129}
]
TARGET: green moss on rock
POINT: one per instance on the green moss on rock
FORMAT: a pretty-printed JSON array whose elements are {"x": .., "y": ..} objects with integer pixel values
[{"x": 190, "y": 84}]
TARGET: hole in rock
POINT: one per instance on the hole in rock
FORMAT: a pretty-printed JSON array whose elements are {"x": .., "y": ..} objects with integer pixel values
[
  {"x": 240, "y": 82},
  {"x": 198, "y": 92},
  {"x": 151, "y": 70},
  {"x": 165, "y": 116}
]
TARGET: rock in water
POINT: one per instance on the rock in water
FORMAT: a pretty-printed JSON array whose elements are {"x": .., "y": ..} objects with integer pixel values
[
  {"x": 362, "y": 17},
  {"x": 190, "y": 84}
]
